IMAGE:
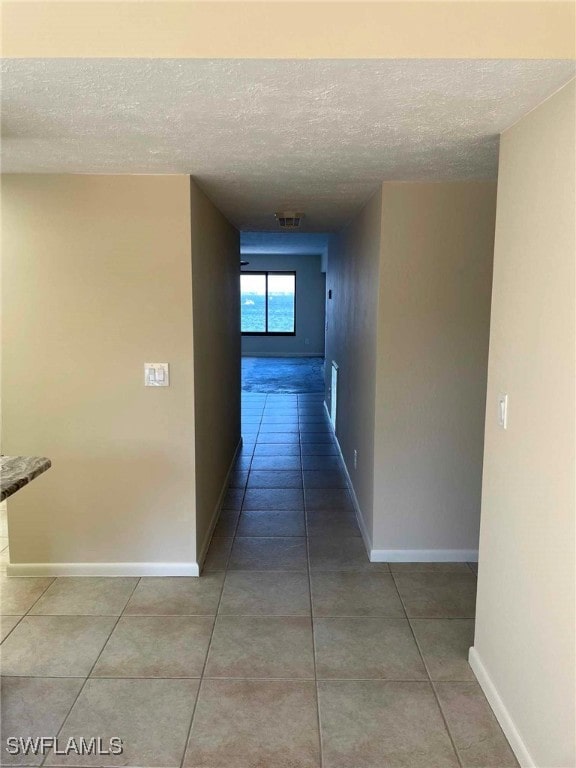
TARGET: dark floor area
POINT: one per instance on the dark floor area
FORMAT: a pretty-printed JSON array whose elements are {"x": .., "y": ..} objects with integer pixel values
[{"x": 283, "y": 375}]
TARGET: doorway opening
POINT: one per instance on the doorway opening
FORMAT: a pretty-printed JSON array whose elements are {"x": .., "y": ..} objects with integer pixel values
[{"x": 283, "y": 313}]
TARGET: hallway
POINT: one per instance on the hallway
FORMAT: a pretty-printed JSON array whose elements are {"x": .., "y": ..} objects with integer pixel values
[
  {"x": 291, "y": 651},
  {"x": 368, "y": 204},
  {"x": 386, "y": 644}
]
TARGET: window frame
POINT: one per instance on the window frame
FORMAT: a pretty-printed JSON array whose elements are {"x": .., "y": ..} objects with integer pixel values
[{"x": 267, "y": 272}]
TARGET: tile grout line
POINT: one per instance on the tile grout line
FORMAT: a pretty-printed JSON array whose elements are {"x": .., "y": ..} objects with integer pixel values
[
  {"x": 27, "y": 613},
  {"x": 233, "y": 537},
  {"x": 306, "y": 541},
  {"x": 235, "y": 534},
  {"x": 430, "y": 683},
  {"x": 448, "y": 731},
  {"x": 247, "y": 677},
  {"x": 316, "y": 691},
  {"x": 202, "y": 678},
  {"x": 83, "y": 686},
  {"x": 15, "y": 625}
]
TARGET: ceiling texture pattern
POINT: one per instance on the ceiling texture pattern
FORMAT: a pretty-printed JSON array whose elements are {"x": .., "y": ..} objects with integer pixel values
[
  {"x": 293, "y": 243},
  {"x": 267, "y": 135}
]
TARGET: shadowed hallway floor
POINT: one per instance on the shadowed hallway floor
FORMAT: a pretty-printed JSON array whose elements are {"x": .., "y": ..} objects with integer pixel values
[
  {"x": 291, "y": 651},
  {"x": 290, "y": 375}
]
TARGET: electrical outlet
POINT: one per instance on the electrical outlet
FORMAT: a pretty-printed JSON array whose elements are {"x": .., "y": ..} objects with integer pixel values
[
  {"x": 306, "y": 341},
  {"x": 355, "y": 459},
  {"x": 503, "y": 410}
]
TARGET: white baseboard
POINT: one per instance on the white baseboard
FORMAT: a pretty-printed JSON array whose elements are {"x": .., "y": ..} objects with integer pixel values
[
  {"x": 500, "y": 710},
  {"x": 218, "y": 508},
  {"x": 400, "y": 555},
  {"x": 103, "y": 569},
  {"x": 127, "y": 569},
  {"x": 424, "y": 555},
  {"x": 366, "y": 538}
]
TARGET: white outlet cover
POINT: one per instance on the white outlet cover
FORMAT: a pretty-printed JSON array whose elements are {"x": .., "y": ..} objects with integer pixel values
[
  {"x": 503, "y": 410},
  {"x": 156, "y": 374}
]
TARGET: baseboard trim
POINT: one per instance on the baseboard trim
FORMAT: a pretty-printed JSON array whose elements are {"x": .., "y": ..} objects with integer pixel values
[
  {"x": 128, "y": 569},
  {"x": 398, "y": 555},
  {"x": 218, "y": 508},
  {"x": 500, "y": 710},
  {"x": 424, "y": 555},
  {"x": 357, "y": 509},
  {"x": 103, "y": 569}
]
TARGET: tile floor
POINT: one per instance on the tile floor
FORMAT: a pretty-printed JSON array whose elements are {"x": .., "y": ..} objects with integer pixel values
[{"x": 291, "y": 651}]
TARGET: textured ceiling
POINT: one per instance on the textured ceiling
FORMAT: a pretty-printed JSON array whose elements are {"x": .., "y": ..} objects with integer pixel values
[
  {"x": 266, "y": 135},
  {"x": 292, "y": 243}
]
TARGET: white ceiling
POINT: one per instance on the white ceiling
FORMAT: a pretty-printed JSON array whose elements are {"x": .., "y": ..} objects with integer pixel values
[{"x": 267, "y": 135}]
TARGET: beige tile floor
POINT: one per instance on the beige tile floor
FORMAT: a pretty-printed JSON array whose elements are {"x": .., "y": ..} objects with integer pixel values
[{"x": 291, "y": 650}]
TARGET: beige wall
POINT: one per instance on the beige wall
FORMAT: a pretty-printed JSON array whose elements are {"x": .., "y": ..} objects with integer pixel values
[
  {"x": 433, "y": 327},
  {"x": 228, "y": 30},
  {"x": 524, "y": 645},
  {"x": 353, "y": 269},
  {"x": 96, "y": 282},
  {"x": 216, "y": 309},
  {"x": 408, "y": 325}
]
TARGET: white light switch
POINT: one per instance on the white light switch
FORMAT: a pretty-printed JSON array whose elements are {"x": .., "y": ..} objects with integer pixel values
[
  {"x": 156, "y": 375},
  {"x": 503, "y": 410}
]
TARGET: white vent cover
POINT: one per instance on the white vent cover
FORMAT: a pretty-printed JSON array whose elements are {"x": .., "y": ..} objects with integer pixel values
[{"x": 289, "y": 219}]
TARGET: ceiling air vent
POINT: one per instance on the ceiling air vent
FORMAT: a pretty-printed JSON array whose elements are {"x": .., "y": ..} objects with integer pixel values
[{"x": 289, "y": 219}]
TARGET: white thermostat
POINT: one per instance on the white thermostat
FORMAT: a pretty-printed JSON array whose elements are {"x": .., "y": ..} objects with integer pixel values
[{"x": 156, "y": 375}]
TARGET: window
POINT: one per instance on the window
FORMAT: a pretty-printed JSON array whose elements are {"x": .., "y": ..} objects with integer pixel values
[{"x": 268, "y": 303}]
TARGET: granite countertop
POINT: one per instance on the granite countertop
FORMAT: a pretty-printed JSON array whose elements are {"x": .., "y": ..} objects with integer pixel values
[{"x": 18, "y": 471}]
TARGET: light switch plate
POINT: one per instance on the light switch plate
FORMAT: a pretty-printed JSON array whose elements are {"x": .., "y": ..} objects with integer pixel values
[
  {"x": 156, "y": 375},
  {"x": 503, "y": 410}
]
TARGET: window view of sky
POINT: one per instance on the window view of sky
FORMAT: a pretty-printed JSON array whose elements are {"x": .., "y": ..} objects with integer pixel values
[
  {"x": 253, "y": 284},
  {"x": 276, "y": 283},
  {"x": 273, "y": 316}
]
